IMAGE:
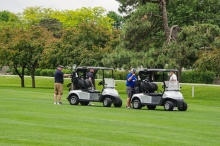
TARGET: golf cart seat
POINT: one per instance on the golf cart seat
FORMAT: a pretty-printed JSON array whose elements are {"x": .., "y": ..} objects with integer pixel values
[
  {"x": 93, "y": 91},
  {"x": 89, "y": 85}
]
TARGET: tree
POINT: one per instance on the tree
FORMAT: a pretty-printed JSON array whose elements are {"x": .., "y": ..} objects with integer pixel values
[
  {"x": 185, "y": 12},
  {"x": 36, "y": 38},
  {"x": 118, "y": 19},
  {"x": 52, "y": 25},
  {"x": 191, "y": 41},
  {"x": 209, "y": 58},
  {"x": 8, "y": 19},
  {"x": 84, "y": 45},
  {"x": 73, "y": 18},
  {"x": 33, "y": 15},
  {"x": 23, "y": 48},
  {"x": 129, "y": 6},
  {"x": 11, "y": 54}
]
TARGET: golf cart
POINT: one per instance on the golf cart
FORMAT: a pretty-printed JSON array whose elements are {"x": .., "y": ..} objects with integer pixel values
[
  {"x": 81, "y": 91},
  {"x": 147, "y": 92}
]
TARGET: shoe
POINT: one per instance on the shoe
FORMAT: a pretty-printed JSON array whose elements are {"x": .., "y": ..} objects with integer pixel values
[
  {"x": 60, "y": 103},
  {"x": 90, "y": 104},
  {"x": 128, "y": 107},
  {"x": 55, "y": 103},
  {"x": 175, "y": 108}
]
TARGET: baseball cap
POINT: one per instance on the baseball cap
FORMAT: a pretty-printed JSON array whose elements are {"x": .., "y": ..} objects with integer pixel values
[
  {"x": 133, "y": 70},
  {"x": 60, "y": 66}
]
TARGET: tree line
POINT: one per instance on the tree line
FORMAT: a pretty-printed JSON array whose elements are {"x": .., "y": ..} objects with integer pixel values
[
  {"x": 44, "y": 38},
  {"x": 150, "y": 33}
]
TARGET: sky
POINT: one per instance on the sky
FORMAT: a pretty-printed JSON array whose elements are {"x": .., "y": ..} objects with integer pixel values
[{"x": 16, "y": 6}]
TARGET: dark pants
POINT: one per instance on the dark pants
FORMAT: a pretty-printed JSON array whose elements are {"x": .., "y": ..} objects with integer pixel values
[{"x": 130, "y": 91}]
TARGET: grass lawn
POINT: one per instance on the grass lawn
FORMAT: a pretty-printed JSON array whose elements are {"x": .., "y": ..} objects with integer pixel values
[{"x": 29, "y": 117}]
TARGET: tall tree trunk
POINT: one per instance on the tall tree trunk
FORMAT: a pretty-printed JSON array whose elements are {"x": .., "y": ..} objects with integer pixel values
[
  {"x": 21, "y": 75},
  {"x": 180, "y": 72},
  {"x": 33, "y": 77},
  {"x": 164, "y": 16}
]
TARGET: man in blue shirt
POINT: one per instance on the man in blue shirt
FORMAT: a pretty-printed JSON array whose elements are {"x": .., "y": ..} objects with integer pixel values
[
  {"x": 58, "y": 84},
  {"x": 130, "y": 83}
]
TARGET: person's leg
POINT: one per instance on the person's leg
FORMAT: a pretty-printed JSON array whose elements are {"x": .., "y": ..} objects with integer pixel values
[
  {"x": 59, "y": 98},
  {"x": 55, "y": 93},
  {"x": 60, "y": 93},
  {"x": 55, "y": 98},
  {"x": 128, "y": 102},
  {"x": 128, "y": 90}
]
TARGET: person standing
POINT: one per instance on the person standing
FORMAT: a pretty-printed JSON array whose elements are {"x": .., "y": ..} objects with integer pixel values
[
  {"x": 58, "y": 84},
  {"x": 90, "y": 76},
  {"x": 130, "y": 84},
  {"x": 173, "y": 76}
]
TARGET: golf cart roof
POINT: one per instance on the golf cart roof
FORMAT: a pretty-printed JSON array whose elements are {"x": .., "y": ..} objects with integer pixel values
[
  {"x": 92, "y": 67},
  {"x": 157, "y": 70}
]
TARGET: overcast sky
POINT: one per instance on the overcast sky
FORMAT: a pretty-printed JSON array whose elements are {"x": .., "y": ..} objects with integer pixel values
[{"x": 18, "y": 5}]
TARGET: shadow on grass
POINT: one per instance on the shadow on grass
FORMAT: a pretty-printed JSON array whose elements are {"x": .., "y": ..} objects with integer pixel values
[{"x": 18, "y": 87}]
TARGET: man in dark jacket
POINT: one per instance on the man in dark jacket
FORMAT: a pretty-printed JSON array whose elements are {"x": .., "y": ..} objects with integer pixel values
[{"x": 58, "y": 84}]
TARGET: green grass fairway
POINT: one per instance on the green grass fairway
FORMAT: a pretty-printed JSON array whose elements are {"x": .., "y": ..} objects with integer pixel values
[{"x": 29, "y": 117}]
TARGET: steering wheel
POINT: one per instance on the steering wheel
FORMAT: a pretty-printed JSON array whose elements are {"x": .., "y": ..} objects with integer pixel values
[{"x": 100, "y": 83}]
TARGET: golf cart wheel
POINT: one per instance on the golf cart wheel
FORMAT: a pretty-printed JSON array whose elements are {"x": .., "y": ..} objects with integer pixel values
[
  {"x": 107, "y": 102},
  {"x": 151, "y": 107},
  {"x": 84, "y": 102},
  {"x": 168, "y": 106},
  {"x": 119, "y": 104},
  {"x": 74, "y": 100},
  {"x": 136, "y": 104},
  {"x": 184, "y": 107}
]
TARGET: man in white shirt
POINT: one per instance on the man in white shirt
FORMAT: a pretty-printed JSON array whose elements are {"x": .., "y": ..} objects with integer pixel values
[{"x": 173, "y": 76}]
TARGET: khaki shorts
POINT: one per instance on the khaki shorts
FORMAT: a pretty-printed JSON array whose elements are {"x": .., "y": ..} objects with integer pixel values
[{"x": 58, "y": 88}]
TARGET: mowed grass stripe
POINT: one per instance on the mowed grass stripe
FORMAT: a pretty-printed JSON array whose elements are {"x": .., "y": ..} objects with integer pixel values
[{"x": 28, "y": 117}]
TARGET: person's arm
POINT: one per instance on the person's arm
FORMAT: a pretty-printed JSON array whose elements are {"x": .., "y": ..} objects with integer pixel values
[
  {"x": 90, "y": 79},
  {"x": 130, "y": 78},
  {"x": 67, "y": 75}
]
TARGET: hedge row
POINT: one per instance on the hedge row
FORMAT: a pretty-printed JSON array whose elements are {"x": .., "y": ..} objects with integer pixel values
[
  {"x": 42, "y": 72},
  {"x": 206, "y": 77}
]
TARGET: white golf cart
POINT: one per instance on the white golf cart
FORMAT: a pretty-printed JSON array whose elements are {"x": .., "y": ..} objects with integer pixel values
[
  {"x": 81, "y": 91},
  {"x": 147, "y": 93}
]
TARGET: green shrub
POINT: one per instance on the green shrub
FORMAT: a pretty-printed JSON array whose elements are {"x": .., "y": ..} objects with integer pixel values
[
  {"x": 50, "y": 72},
  {"x": 120, "y": 75},
  {"x": 206, "y": 77},
  {"x": 37, "y": 72},
  {"x": 43, "y": 72},
  {"x": 67, "y": 71}
]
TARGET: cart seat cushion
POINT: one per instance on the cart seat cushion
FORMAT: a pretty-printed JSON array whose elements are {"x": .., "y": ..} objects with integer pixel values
[
  {"x": 93, "y": 91},
  {"x": 155, "y": 94}
]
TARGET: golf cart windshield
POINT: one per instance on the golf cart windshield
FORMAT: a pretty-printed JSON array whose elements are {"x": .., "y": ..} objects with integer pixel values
[
  {"x": 109, "y": 82},
  {"x": 172, "y": 86}
]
